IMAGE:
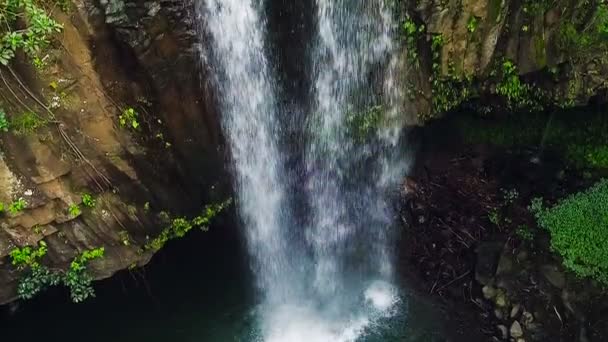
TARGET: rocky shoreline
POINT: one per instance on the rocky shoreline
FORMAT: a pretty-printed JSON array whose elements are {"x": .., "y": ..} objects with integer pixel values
[{"x": 462, "y": 213}]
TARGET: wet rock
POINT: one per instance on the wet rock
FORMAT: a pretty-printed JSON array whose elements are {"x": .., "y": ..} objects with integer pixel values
[
  {"x": 489, "y": 292},
  {"x": 522, "y": 256},
  {"x": 554, "y": 275},
  {"x": 504, "y": 332},
  {"x": 520, "y": 340},
  {"x": 501, "y": 299},
  {"x": 498, "y": 313},
  {"x": 516, "y": 330},
  {"x": 527, "y": 318},
  {"x": 515, "y": 311},
  {"x": 505, "y": 264}
]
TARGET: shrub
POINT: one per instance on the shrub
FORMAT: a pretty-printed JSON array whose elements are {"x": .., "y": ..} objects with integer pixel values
[
  {"x": 579, "y": 231},
  {"x": 38, "y": 277},
  {"x": 31, "y": 39}
]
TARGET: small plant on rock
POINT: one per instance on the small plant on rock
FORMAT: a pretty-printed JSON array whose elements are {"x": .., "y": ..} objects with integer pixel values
[
  {"x": 128, "y": 118},
  {"x": 4, "y": 125},
  {"x": 78, "y": 279},
  {"x": 17, "y": 206},
  {"x": 88, "y": 200},
  {"x": 74, "y": 210}
]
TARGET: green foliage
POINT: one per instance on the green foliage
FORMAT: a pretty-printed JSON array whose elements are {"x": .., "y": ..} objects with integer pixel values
[
  {"x": 74, "y": 210},
  {"x": 579, "y": 231},
  {"x": 525, "y": 233},
  {"x": 579, "y": 136},
  {"x": 4, "y": 125},
  {"x": 494, "y": 217},
  {"x": 27, "y": 123},
  {"x": 412, "y": 34},
  {"x": 28, "y": 256},
  {"x": 181, "y": 226},
  {"x": 128, "y": 118},
  {"x": 17, "y": 206},
  {"x": 37, "y": 280},
  {"x": 364, "y": 123},
  {"x": 78, "y": 279},
  {"x": 509, "y": 196},
  {"x": 88, "y": 200},
  {"x": 38, "y": 277},
  {"x": 517, "y": 93},
  {"x": 31, "y": 39},
  {"x": 448, "y": 91},
  {"x": 472, "y": 24},
  {"x": 580, "y": 37}
]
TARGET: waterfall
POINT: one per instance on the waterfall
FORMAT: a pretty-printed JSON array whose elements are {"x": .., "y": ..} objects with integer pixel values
[{"x": 327, "y": 277}]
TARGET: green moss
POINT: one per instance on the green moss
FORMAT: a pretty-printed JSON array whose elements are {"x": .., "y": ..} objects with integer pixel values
[{"x": 579, "y": 231}]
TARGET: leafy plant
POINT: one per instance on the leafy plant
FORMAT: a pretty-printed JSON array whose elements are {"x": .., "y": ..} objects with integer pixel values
[
  {"x": 579, "y": 231},
  {"x": 494, "y": 217},
  {"x": 181, "y": 226},
  {"x": 28, "y": 256},
  {"x": 128, "y": 118},
  {"x": 472, "y": 24},
  {"x": 34, "y": 37},
  {"x": 78, "y": 279},
  {"x": 27, "y": 122},
  {"x": 4, "y": 125},
  {"x": 17, "y": 206},
  {"x": 517, "y": 93},
  {"x": 509, "y": 196},
  {"x": 88, "y": 200},
  {"x": 74, "y": 210},
  {"x": 525, "y": 233},
  {"x": 412, "y": 33}
]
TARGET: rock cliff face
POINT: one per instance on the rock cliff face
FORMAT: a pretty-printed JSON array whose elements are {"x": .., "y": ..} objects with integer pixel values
[
  {"x": 110, "y": 56},
  {"x": 463, "y": 51}
]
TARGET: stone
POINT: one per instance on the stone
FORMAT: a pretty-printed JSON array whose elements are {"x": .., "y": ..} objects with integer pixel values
[
  {"x": 554, "y": 275},
  {"x": 501, "y": 299},
  {"x": 504, "y": 332},
  {"x": 527, "y": 318},
  {"x": 489, "y": 292},
  {"x": 498, "y": 313},
  {"x": 515, "y": 310},
  {"x": 505, "y": 264},
  {"x": 516, "y": 330},
  {"x": 520, "y": 340}
]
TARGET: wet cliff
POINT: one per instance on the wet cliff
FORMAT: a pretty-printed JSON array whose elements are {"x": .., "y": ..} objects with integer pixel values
[{"x": 71, "y": 137}]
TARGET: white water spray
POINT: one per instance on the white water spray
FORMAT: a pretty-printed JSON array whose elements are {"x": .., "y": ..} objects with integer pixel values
[{"x": 336, "y": 282}]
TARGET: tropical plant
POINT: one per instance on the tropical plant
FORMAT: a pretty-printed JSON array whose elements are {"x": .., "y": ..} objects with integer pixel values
[
  {"x": 579, "y": 230},
  {"x": 32, "y": 38}
]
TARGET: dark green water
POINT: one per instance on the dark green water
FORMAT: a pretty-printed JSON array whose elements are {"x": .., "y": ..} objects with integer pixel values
[{"x": 196, "y": 290}]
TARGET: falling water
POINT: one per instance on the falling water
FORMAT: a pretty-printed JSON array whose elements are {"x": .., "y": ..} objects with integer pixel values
[{"x": 330, "y": 283}]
